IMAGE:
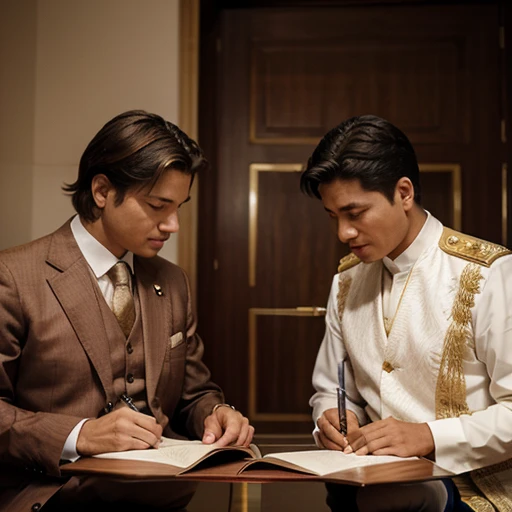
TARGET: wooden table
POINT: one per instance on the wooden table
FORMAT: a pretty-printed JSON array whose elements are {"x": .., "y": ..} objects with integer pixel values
[{"x": 246, "y": 487}]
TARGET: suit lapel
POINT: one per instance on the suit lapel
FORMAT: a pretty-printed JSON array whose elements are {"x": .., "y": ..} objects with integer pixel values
[
  {"x": 73, "y": 287},
  {"x": 156, "y": 321}
]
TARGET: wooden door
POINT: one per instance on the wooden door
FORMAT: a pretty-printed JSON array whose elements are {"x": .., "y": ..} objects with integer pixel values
[{"x": 273, "y": 82}]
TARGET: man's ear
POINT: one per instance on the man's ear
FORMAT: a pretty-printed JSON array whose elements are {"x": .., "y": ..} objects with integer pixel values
[
  {"x": 404, "y": 192},
  {"x": 100, "y": 189}
]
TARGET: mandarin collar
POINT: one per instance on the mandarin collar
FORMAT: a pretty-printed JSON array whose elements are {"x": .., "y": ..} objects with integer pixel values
[{"x": 404, "y": 262}]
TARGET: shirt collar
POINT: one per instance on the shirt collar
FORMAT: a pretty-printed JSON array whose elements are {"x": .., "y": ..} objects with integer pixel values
[
  {"x": 404, "y": 262},
  {"x": 99, "y": 258}
]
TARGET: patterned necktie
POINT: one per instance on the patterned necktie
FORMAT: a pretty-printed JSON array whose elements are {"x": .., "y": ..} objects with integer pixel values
[{"x": 123, "y": 306}]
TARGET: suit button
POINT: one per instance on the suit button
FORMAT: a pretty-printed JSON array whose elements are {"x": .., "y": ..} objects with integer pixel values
[
  {"x": 36, "y": 507},
  {"x": 129, "y": 348},
  {"x": 108, "y": 408},
  {"x": 130, "y": 378}
]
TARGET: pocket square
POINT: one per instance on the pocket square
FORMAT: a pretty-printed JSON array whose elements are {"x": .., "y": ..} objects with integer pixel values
[{"x": 176, "y": 339}]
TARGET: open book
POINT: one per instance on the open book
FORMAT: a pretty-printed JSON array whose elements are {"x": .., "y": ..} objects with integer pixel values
[{"x": 187, "y": 455}]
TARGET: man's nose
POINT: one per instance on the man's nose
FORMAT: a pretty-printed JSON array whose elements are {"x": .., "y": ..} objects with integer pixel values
[
  {"x": 170, "y": 224},
  {"x": 346, "y": 231}
]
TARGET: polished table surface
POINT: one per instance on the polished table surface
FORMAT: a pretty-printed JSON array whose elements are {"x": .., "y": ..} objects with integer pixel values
[{"x": 246, "y": 487}]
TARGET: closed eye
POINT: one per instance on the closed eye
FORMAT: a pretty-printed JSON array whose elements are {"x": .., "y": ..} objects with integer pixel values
[{"x": 355, "y": 215}]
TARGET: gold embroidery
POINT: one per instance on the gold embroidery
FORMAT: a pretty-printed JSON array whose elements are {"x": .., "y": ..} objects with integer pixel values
[
  {"x": 451, "y": 397},
  {"x": 349, "y": 261},
  {"x": 470, "y": 494},
  {"x": 451, "y": 384},
  {"x": 470, "y": 248},
  {"x": 387, "y": 367},
  {"x": 479, "y": 504},
  {"x": 343, "y": 289},
  {"x": 487, "y": 481}
]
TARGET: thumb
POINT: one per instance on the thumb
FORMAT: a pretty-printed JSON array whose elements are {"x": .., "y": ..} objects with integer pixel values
[{"x": 212, "y": 430}]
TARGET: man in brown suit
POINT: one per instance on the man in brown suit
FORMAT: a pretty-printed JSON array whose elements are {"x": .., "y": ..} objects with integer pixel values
[{"x": 78, "y": 341}]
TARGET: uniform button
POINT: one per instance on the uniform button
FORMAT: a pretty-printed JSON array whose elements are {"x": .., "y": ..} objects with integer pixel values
[
  {"x": 36, "y": 507},
  {"x": 129, "y": 378},
  {"x": 108, "y": 408},
  {"x": 129, "y": 348}
]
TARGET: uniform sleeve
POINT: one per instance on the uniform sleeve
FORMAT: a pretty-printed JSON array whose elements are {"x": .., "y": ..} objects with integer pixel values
[
  {"x": 325, "y": 373},
  {"x": 485, "y": 437}
]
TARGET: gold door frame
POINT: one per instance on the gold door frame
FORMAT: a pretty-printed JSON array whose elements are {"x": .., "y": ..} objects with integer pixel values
[{"x": 256, "y": 168}]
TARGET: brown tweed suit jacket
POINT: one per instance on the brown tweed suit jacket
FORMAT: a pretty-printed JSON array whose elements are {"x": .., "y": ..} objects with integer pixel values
[{"x": 55, "y": 366}]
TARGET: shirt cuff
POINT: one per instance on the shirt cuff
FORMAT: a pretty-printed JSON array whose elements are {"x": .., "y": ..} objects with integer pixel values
[
  {"x": 69, "y": 451},
  {"x": 450, "y": 445}
]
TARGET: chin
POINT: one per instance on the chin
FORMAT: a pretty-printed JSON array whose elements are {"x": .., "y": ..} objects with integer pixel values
[{"x": 146, "y": 253}]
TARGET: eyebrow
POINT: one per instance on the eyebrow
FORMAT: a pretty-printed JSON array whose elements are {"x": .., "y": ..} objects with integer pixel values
[
  {"x": 166, "y": 200},
  {"x": 346, "y": 208}
]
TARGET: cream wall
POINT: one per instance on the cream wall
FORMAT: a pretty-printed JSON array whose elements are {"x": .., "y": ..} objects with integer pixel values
[
  {"x": 80, "y": 64},
  {"x": 17, "y": 94}
]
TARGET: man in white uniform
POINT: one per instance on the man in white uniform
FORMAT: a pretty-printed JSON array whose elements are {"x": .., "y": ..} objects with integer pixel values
[{"x": 422, "y": 317}]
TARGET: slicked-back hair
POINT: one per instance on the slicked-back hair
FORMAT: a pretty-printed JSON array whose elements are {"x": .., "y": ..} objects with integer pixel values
[
  {"x": 132, "y": 150},
  {"x": 365, "y": 148}
]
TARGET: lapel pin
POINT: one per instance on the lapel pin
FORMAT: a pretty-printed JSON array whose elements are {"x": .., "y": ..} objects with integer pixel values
[{"x": 158, "y": 290}]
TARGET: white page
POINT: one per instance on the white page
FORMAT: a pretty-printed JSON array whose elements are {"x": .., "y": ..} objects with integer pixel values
[
  {"x": 175, "y": 452},
  {"x": 323, "y": 462}
]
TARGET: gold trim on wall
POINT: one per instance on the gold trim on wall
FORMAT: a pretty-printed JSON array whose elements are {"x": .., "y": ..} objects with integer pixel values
[
  {"x": 254, "y": 415},
  {"x": 254, "y": 169},
  {"x": 187, "y": 104},
  {"x": 504, "y": 204},
  {"x": 455, "y": 171}
]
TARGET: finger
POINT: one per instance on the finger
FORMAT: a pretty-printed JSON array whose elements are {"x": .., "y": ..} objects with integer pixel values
[
  {"x": 242, "y": 437},
  {"x": 327, "y": 443},
  {"x": 356, "y": 441},
  {"x": 150, "y": 437},
  {"x": 212, "y": 429},
  {"x": 148, "y": 423},
  {"x": 250, "y": 436},
  {"x": 330, "y": 432},
  {"x": 377, "y": 444},
  {"x": 242, "y": 434}
]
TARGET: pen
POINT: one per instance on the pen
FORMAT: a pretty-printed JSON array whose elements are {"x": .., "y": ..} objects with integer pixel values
[
  {"x": 129, "y": 402},
  {"x": 342, "y": 409}
]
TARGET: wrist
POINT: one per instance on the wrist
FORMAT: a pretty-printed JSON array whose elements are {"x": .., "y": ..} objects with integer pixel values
[{"x": 217, "y": 406}]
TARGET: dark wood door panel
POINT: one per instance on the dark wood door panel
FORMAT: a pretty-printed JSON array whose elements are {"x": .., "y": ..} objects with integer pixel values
[{"x": 273, "y": 82}]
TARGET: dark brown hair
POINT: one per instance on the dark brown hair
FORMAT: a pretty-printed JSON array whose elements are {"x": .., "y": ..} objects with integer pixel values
[
  {"x": 365, "y": 148},
  {"x": 132, "y": 150}
]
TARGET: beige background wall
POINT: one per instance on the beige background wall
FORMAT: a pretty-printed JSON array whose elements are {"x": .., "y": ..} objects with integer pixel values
[{"x": 65, "y": 69}]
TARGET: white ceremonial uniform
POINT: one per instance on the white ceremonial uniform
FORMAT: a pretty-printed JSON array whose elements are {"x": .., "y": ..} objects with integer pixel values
[{"x": 428, "y": 338}]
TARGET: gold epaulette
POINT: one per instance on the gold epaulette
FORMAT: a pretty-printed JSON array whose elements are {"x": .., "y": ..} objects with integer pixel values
[
  {"x": 470, "y": 248},
  {"x": 349, "y": 261}
]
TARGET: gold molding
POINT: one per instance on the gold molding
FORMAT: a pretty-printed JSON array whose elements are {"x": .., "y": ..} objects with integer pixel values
[
  {"x": 254, "y": 169},
  {"x": 504, "y": 204},
  {"x": 254, "y": 415},
  {"x": 455, "y": 171},
  {"x": 187, "y": 104}
]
